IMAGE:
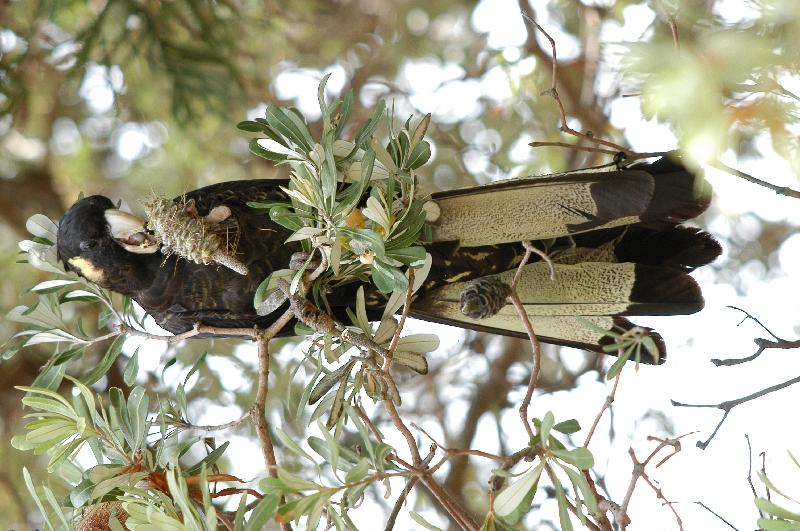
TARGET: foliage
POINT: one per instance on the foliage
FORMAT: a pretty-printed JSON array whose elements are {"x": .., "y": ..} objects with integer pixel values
[
  {"x": 774, "y": 516},
  {"x": 181, "y": 73}
]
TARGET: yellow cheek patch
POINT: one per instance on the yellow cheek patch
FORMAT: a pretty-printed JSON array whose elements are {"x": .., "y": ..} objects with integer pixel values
[{"x": 87, "y": 269}]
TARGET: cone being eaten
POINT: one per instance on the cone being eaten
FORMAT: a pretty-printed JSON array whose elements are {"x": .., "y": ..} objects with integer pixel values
[{"x": 203, "y": 240}]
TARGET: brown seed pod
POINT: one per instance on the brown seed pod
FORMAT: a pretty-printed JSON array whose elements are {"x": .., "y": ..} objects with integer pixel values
[{"x": 194, "y": 238}]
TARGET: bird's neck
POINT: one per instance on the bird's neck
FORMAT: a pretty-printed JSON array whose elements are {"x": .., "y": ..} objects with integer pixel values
[{"x": 135, "y": 276}]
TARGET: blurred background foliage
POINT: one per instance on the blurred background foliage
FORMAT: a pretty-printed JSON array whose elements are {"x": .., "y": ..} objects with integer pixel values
[{"x": 122, "y": 97}]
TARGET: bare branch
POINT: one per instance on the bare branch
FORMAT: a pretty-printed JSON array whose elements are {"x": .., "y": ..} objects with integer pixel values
[
  {"x": 535, "y": 345},
  {"x": 750, "y": 471},
  {"x": 780, "y": 190},
  {"x": 639, "y": 471},
  {"x": 606, "y": 404},
  {"x": 728, "y": 405}
]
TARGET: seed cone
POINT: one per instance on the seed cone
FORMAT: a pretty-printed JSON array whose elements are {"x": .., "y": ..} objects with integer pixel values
[
  {"x": 192, "y": 237},
  {"x": 96, "y": 518}
]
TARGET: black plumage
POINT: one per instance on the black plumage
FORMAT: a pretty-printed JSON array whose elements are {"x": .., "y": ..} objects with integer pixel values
[{"x": 617, "y": 232}]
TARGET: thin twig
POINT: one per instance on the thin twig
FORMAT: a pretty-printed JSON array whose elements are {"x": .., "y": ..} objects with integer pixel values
[
  {"x": 574, "y": 510},
  {"x": 606, "y": 404},
  {"x": 750, "y": 471},
  {"x": 611, "y": 147},
  {"x": 387, "y": 360},
  {"x": 639, "y": 471},
  {"x": 595, "y": 149},
  {"x": 780, "y": 190},
  {"x": 535, "y": 345},
  {"x": 399, "y": 503},
  {"x": 728, "y": 405},
  {"x": 258, "y": 411},
  {"x": 762, "y": 343},
  {"x": 212, "y": 428},
  {"x": 709, "y": 509}
]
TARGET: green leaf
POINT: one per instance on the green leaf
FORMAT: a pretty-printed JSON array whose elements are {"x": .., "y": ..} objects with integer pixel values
[
  {"x": 424, "y": 523},
  {"x": 105, "y": 363},
  {"x": 251, "y": 126},
  {"x": 567, "y": 426},
  {"x": 418, "y": 343},
  {"x": 514, "y": 500},
  {"x": 50, "y": 405},
  {"x": 419, "y": 156},
  {"x": 412, "y": 360},
  {"x": 32, "y": 491},
  {"x": 260, "y": 151},
  {"x": 132, "y": 369},
  {"x": 338, "y": 405},
  {"x": 136, "y": 413},
  {"x": 767, "y": 524},
  {"x": 51, "y": 286},
  {"x": 367, "y": 237},
  {"x": 546, "y": 425},
  {"x": 289, "y": 125},
  {"x": 388, "y": 278},
  {"x": 209, "y": 460},
  {"x": 408, "y": 255},
  {"x": 563, "y": 510},
  {"x": 289, "y": 443},
  {"x": 579, "y": 483},
  {"x": 286, "y": 218},
  {"x": 328, "y": 174},
  {"x": 81, "y": 493},
  {"x": 776, "y": 510},
  {"x": 262, "y": 513},
  {"x": 579, "y": 457},
  {"x": 616, "y": 367},
  {"x": 327, "y": 382},
  {"x": 358, "y": 472},
  {"x": 344, "y": 114},
  {"x": 365, "y": 133}
]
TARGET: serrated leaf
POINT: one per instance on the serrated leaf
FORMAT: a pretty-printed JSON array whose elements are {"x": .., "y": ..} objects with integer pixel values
[{"x": 268, "y": 154}]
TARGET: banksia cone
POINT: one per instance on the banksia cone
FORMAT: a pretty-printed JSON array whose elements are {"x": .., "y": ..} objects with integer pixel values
[
  {"x": 484, "y": 297},
  {"x": 97, "y": 517},
  {"x": 194, "y": 238}
]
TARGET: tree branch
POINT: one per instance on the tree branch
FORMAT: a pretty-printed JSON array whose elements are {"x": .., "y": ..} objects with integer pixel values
[
  {"x": 780, "y": 190},
  {"x": 728, "y": 405}
]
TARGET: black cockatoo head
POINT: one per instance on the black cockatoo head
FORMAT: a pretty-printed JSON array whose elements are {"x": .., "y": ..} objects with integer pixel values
[{"x": 105, "y": 245}]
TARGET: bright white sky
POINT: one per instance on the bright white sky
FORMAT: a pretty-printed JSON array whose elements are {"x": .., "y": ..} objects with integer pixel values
[{"x": 715, "y": 476}]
